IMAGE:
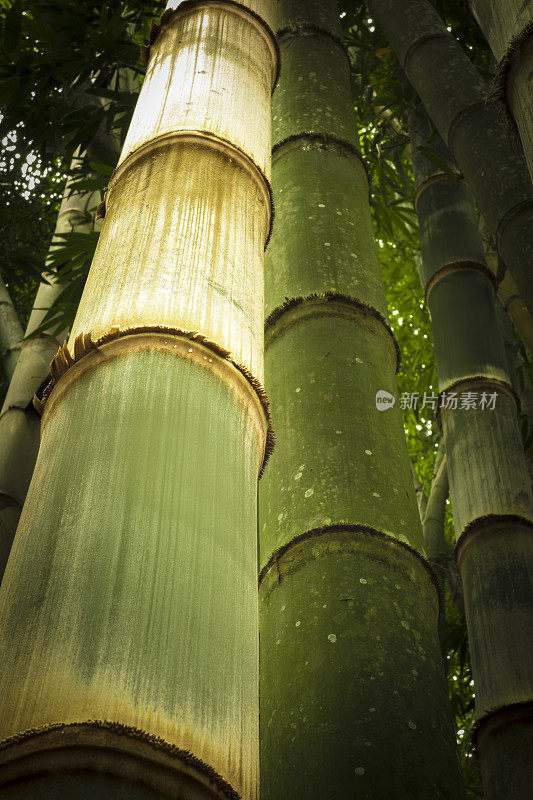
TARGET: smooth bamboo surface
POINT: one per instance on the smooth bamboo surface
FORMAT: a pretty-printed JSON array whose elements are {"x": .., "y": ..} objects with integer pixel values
[
  {"x": 478, "y": 441},
  {"x": 319, "y": 192},
  {"x": 19, "y": 441},
  {"x": 341, "y": 461},
  {"x": 330, "y": 81},
  {"x": 351, "y": 674},
  {"x": 355, "y": 677},
  {"x": 309, "y": 12},
  {"x": 462, "y": 305},
  {"x": 455, "y": 97}
]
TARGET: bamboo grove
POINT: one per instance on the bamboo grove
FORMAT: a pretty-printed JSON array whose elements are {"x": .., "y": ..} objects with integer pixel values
[{"x": 266, "y": 437}]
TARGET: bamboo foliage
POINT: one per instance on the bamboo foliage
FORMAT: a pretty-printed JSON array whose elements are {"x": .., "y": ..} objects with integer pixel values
[
  {"x": 131, "y": 589},
  {"x": 351, "y": 674},
  {"x": 455, "y": 98},
  {"x": 508, "y": 27},
  {"x": 490, "y": 487}
]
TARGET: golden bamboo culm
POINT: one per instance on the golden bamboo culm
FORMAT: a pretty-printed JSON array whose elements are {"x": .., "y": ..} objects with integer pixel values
[{"x": 128, "y": 610}]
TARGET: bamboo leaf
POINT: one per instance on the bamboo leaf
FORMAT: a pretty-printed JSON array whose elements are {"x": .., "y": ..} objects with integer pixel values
[{"x": 13, "y": 27}]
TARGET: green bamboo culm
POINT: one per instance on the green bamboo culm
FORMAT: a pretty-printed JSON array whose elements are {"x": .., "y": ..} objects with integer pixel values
[
  {"x": 10, "y": 332},
  {"x": 129, "y": 630},
  {"x": 19, "y": 422},
  {"x": 490, "y": 487},
  {"x": 455, "y": 97},
  {"x": 351, "y": 673},
  {"x": 508, "y": 28}
]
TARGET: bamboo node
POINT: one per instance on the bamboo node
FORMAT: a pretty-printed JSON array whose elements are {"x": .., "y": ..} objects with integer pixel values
[
  {"x": 83, "y": 730},
  {"x": 338, "y": 297},
  {"x": 458, "y": 266},
  {"x": 498, "y": 93},
  {"x": 500, "y": 717},
  {"x": 477, "y": 525},
  {"x": 357, "y": 529},
  {"x": 230, "y": 149},
  {"x": 327, "y": 141},
  {"x": 155, "y": 30},
  {"x": 470, "y": 381},
  {"x": 168, "y": 15},
  {"x": 83, "y": 344},
  {"x": 307, "y": 29}
]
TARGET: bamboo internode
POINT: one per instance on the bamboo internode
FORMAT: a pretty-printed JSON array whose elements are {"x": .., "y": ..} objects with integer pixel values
[{"x": 131, "y": 592}]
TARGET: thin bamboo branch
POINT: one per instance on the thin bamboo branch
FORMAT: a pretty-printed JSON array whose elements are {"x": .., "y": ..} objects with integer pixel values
[
  {"x": 10, "y": 332},
  {"x": 433, "y": 523}
]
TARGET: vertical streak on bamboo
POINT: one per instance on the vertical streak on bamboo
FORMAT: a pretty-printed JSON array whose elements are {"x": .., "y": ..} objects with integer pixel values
[
  {"x": 351, "y": 674},
  {"x": 490, "y": 487},
  {"x": 129, "y": 604},
  {"x": 455, "y": 97},
  {"x": 508, "y": 28},
  {"x": 10, "y": 332}
]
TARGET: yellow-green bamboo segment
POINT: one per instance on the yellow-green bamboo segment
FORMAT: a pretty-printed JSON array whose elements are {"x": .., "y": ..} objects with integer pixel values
[
  {"x": 490, "y": 487},
  {"x": 508, "y": 28},
  {"x": 128, "y": 610},
  {"x": 351, "y": 673},
  {"x": 455, "y": 97}
]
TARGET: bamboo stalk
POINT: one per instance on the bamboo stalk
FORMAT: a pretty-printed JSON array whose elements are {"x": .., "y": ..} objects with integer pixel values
[
  {"x": 508, "y": 28},
  {"x": 433, "y": 522},
  {"x": 131, "y": 589},
  {"x": 19, "y": 423},
  {"x": 10, "y": 332},
  {"x": 490, "y": 488},
  {"x": 507, "y": 291},
  {"x": 455, "y": 98},
  {"x": 351, "y": 674}
]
